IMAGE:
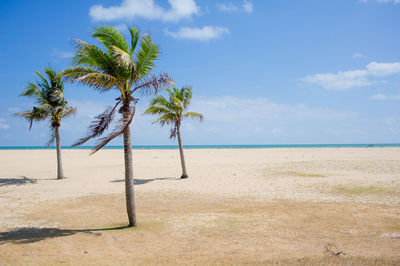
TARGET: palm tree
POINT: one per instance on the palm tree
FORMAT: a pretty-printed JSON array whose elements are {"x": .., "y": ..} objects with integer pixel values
[
  {"x": 172, "y": 113},
  {"x": 125, "y": 68},
  {"x": 49, "y": 96}
]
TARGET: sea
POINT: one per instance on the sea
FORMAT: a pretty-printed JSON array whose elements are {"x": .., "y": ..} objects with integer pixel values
[{"x": 171, "y": 147}]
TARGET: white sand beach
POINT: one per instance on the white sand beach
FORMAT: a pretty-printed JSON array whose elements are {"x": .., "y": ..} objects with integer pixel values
[{"x": 353, "y": 181}]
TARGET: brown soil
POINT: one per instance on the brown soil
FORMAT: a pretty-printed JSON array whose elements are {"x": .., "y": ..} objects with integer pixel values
[{"x": 193, "y": 228}]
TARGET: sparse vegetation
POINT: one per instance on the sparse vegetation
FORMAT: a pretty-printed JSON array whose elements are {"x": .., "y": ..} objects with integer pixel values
[
  {"x": 359, "y": 190},
  {"x": 206, "y": 230},
  {"x": 301, "y": 174}
]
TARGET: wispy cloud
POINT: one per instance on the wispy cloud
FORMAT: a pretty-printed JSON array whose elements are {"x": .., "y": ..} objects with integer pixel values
[
  {"x": 385, "y": 97},
  {"x": 357, "y": 55},
  {"x": 14, "y": 109},
  {"x": 3, "y": 124},
  {"x": 247, "y": 6},
  {"x": 344, "y": 80},
  {"x": 199, "y": 34},
  {"x": 62, "y": 54},
  {"x": 122, "y": 28},
  {"x": 129, "y": 9}
]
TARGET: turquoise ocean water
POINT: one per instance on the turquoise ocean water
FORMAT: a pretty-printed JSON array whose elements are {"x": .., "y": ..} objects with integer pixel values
[{"x": 164, "y": 147}]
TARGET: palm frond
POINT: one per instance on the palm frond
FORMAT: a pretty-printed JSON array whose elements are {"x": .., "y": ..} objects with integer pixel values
[
  {"x": 91, "y": 77},
  {"x": 36, "y": 114},
  {"x": 157, "y": 110},
  {"x": 173, "y": 132},
  {"x": 186, "y": 94},
  {"x": 109, "y": 37},
  {"x": 160, "y": 100},
  {"x": 166, "y": 119},
  {"x": 68, "y": 111},
  {"x": 194, "y": 115},
  {"x": 52, "y": 138},
  {"x": 90, "y": 55},
  {"x": 123, "y": 58},
  {"x": 43, "y": 83},
  {"x": 145, "y": 58},
  {"x": 134, "y": 39},
  {"x": 153, "y": 84},
  {"x": 123, "y": 124},
  {"x": 99, "y": 125}
]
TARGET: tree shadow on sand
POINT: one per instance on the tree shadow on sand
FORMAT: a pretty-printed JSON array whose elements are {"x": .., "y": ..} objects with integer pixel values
[
  {"x": 144, "y": 181},
  {"x": 17, "y": 181},
  {"x": 26, "y": 235}
]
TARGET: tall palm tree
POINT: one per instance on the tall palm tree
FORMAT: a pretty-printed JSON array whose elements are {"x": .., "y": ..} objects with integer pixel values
[
  {"x": 49, "y": 96},
  {"x": 171, "y": 112},
  {"x": 127, "y": 69}
]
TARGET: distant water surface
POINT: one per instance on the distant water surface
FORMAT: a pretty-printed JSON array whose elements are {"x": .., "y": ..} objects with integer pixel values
[{"x": 167, "y": 147}]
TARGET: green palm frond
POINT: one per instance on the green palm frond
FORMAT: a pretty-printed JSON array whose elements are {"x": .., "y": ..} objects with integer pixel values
[
  {"x": 110, "y": 37},
  {"x": 134, "y": 39},
  {"x": 43, "y": 83},
  {"x": 88, "y": 76},
  {"x": 171, "y": 111},
  {"x": 166, "y": 119},
  {"x": 90, "y": 55},
  {"x": 146, "y": 56},
  {"x": 49, "y": 96},
  {"x": 118, "y": 66},
  {"x": 162, "y": 102},
  {"x": 157, "y": 110}
]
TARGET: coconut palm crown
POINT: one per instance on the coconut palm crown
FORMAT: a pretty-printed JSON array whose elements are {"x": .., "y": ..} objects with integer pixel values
[
  {"x": 48, "y": 94},
  {"x": 172, "y": 112},
  {"x": 125, "y": 67},
  {"x": 119, "y": 66}
]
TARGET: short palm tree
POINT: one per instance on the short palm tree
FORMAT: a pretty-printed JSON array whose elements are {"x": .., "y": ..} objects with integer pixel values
[
  {"x": 172, "y": 112},
  {"x": 49, "y": 96},
  {"x": 125, "y": 68}
]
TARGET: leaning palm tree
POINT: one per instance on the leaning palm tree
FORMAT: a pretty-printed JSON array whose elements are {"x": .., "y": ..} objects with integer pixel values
[
  {"x": 127, "y": 69},
  {"x": 171, "y": 112},
  {"x": 49, "y": 96}
]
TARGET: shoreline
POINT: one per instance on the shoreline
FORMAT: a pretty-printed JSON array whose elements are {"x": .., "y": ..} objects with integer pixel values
[{"x": 195, "y": 147}]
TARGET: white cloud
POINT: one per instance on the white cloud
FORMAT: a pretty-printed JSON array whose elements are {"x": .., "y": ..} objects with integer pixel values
[
  {"x": 353, "y": 78},
  {"x": 3, "y": 124},
  {"x": 357, "y": 55},
  {"x": 129, "y": 9},
  {"x": 383, "y": 69},
  {"x": 385, "y": 97},
  {"x": 341, "y": 80},
  {"x": 247, "y": 6},
  {"x": 239, "y": 120},
  {"x": 199, "y": 34}
]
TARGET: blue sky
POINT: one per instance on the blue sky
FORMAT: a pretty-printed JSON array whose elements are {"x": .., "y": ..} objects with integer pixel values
[{"x": 262, "y": 72}]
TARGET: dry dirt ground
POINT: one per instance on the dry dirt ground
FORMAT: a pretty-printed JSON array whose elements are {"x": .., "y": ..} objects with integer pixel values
[{"x": 284, "y": 206}]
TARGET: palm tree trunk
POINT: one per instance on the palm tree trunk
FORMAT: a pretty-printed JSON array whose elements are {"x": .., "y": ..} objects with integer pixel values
[
  {"x": 129, "y": 181},
  {"x": 60, "y": 172},
  {"x": 184, "y": 174}
]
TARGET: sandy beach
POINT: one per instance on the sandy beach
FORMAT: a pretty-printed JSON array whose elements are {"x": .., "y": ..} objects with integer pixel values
[{"x": 294, "y": 205}]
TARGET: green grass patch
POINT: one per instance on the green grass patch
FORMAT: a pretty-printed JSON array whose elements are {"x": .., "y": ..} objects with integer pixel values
[
  {"x": 358, "y": 190},
  {"x": 307, "y": 175}
]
